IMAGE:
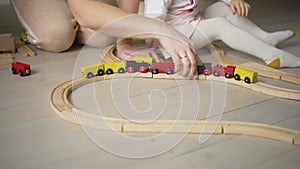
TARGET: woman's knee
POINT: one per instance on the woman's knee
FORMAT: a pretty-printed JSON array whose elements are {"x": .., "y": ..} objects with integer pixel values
[{"x": 49, "y": 24}]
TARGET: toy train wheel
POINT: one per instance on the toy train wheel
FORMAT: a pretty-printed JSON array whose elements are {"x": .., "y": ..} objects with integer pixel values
[
  {"x": 247, "y": 80},
  {"x": 109, "y": 71},
  {"x": 90, "y": 75},
  {"x": 21, "y": 73},
  {"x": 143, "y": 69},
  {"x": 228, "y": 75},
  {"x": 100, "y": 72},
  {"x": 206, "y": 72},
  {"x": 130, "y": 70},
  {"x": 121, "y": 70},
  {"x": 14, "y": 71},
  {"x": 155, "y": 71},
  {"x": 237, "y": 77},
  {"x": 216, "y": 73},
  {"x": 27, "y": 71},
  {"x": 170, "y": 71}
]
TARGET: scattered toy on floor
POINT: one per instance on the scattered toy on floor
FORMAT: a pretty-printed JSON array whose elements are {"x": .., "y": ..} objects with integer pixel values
[{"x": 20, "y": 68}]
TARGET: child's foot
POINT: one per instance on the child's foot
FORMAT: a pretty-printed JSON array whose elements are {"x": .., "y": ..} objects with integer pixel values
[
  {"x": 280, "y": 62},
  {"x": 276, "y": 38}
]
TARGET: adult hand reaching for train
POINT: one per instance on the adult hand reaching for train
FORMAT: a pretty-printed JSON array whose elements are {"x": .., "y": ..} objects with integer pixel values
[
  {"x": 127, "y": 51},
  {"x": 116, "y": 22},
  {"x": 183, "y": 56}
]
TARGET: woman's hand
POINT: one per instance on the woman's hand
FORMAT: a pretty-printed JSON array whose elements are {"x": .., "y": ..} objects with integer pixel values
[
  {"x": 126, "y": 51},
  {"x": 183, "y": 55},
  {"x": 240, "y": 7}
]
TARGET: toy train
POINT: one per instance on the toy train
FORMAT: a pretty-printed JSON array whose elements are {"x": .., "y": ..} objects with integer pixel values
[
  {"x": 145, "y": 64},
  {"x": 20, "y": 68}
]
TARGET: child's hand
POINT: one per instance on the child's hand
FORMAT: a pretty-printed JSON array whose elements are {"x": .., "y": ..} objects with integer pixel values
[{"x": 240, "y": 7}]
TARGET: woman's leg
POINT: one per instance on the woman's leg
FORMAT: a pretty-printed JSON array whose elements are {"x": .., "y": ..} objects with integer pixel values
[
  {"x": 220, "y": 9},
  {"x": 49, "y": 24},
  {"x": 221, "y": 29}
]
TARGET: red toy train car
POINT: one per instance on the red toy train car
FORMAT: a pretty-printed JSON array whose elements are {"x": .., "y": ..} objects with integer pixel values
[
  {"x": 20, "y": 68},
  {"x": 227, "y": 71},
  {"x": 162, "y": 67}
]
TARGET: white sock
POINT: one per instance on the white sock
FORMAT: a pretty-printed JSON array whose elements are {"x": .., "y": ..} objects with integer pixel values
[{"x": 284, "y": 60}]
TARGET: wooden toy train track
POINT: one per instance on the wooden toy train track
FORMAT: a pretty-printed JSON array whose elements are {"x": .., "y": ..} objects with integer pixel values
[{"x": 64, "y": 108}]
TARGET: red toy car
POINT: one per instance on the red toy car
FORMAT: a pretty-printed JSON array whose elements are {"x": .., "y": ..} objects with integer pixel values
[{"x": 20, "y": 68}]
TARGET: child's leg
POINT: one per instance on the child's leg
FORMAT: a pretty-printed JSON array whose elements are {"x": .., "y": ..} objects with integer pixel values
[
  {"x": 222, "y": 29},
  {"x": 220, "y": 9}
]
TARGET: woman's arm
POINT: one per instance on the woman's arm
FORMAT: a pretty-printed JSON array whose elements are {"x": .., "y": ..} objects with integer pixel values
[
  {"x": 119, "y": 23},
  {"x": 131, "y": 6}
]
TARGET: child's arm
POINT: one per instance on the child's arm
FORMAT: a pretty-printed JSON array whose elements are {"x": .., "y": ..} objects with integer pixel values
[
  {"x": 156, "y": 9},
  {"x": 240, "y": 7}
]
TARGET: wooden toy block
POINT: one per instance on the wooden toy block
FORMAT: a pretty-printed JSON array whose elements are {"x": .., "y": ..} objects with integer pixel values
[
  {"x": 23, "y": 49},
  {"x": 7, "y": 43},
  {"x": 6, "y": 59}
]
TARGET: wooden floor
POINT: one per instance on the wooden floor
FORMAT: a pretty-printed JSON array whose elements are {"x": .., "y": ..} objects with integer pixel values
[{"x": 32, "y": 136}]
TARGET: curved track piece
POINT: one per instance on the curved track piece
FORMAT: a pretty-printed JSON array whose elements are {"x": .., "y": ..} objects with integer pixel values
[
  {"x": 218, "y": 55},
  {"x": 64, "y": 108}
]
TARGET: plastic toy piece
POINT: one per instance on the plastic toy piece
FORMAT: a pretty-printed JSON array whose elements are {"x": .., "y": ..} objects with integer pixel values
[
  {"x": 20, "y": 68},
  {"x": 7, "y": 43},
  {"x": 6, "y": 59},
  {"x": 63, "y": 107},
  {"x": 24, "y": 38}
]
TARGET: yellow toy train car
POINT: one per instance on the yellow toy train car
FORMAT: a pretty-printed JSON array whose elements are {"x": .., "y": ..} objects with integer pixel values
[
  {"x": 143, "y": 59},
  {"x": 114, "y": 67},
  {"x": 244, "y": 74},
  {"x": 103, "y": 68},
  {"x": 93, "y": 70}
]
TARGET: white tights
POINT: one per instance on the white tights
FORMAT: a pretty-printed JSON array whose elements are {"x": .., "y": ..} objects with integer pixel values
[{"x": 241, "y": 34}]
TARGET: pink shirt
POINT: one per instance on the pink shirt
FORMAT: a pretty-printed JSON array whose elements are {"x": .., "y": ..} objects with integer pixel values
[{"x": 181, "y": 14}]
